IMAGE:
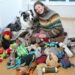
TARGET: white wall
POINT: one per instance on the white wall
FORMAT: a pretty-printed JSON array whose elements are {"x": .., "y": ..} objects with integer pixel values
[
  {"x": 69, "y": 26},
  {"x": 8, "y": 11},
  {"x": 25, "y": 4},
  {"x": 64, "y": 10}
]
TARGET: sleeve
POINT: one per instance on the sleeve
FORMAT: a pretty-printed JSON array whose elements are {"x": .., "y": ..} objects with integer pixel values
[{"x": 57, "y": 28}]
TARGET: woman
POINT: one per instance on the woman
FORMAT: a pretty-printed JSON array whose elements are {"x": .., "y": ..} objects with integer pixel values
[{"x": 47, "y": 21}]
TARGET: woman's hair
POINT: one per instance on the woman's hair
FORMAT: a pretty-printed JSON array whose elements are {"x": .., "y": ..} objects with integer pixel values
[{"x": 45, "y": 7}]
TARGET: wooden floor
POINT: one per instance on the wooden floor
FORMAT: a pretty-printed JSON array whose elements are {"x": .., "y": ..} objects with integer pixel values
[
  {"x": 4, "y": 71},
  {"x": 62, "y": 71}
]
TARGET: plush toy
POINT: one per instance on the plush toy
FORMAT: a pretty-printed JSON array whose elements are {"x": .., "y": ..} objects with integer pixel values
[
  {"x": 0, "y": 44},
  {"x": 1, "y": 51},
  {"x": 39, "y": 68},
  {"x": 65, "y": 62},
  {"x": 13, "y": 46},
  {"x": 52, "y": 44},
  {"x": 0, "y": 40},
  {"x": 40, "y": 36},
  {"x": 12, "y": 58},
  {"x": 52, "y": 60},
  {"x": 8, "y": 51},
  {"x": 49, "y": 70},
  {"x": 4, "y": 55},
  {"x": 6, "y": 37},
  {"x": 1, "y": 59}
]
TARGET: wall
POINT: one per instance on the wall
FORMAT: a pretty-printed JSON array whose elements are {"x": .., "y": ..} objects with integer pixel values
[
  {"x": 8, "y": 11},
  {"x": 69, "y": 26},
  {"x": 64, "y": 10}
]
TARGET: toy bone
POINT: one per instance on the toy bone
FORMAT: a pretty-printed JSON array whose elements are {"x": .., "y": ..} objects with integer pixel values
[{"x": 66, "y": 49}]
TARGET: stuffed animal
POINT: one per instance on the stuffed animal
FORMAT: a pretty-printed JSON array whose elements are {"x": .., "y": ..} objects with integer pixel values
[
  {"x": 0, "y": 44},
  {"x": 6, "y": 37},
  {"x": 65, "y": 62},
  {"x": 4, "y": 55},
  {"x": 52, "y": 60},
  {"x": 52, "y": 44},
  {"x": 12, "y": 58},
  {"x": 1, "y": 59},
  {"x": 1, "y": 51},
  {"x": 39, "y": 68},
  {"x": 8, "y": 51}
]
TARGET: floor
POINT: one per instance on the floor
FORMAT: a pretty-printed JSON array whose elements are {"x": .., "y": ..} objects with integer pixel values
[
  {"x": 4, "y": 71},
  {"x": 61, "y": 71}
]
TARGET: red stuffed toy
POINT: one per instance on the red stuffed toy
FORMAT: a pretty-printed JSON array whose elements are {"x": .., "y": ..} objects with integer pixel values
[
  {"x": 1, "y": 51},
  {"x": 7, "y": 35}
]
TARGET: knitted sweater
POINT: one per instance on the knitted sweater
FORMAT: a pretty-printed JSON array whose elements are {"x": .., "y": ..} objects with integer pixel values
[{"x": 50, "y": 23}]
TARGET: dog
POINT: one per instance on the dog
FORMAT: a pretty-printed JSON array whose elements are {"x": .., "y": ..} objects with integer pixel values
[
  {"x": 26, "y": 19},
  {"x": 24, "y": 24}
]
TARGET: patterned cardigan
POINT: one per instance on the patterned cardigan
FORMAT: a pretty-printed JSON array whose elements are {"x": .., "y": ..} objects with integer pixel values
[{"x": 50, "y": 23}]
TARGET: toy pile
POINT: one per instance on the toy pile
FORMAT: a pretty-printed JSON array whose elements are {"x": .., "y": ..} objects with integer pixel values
[{"x": 26, "y": 54}]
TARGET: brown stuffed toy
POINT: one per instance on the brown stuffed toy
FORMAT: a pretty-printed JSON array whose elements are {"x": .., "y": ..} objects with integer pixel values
[{"x": 52, "y": 60}]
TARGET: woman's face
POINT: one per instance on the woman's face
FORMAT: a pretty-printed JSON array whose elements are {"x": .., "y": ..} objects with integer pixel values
[{"x": 39, "y": 9}]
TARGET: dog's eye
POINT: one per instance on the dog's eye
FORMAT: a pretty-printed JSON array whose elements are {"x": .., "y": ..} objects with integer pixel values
[{"x": 27, "y": 15}]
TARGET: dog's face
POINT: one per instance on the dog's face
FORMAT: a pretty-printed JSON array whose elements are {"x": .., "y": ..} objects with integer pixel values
[{"x": 28, "y": 15}]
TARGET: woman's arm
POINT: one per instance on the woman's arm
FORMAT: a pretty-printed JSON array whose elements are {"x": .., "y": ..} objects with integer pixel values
[{"x": 57, "y": 28}]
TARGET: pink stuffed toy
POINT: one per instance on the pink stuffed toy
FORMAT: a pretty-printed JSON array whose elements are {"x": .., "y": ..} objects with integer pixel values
[{"x": 40, "y": 35}]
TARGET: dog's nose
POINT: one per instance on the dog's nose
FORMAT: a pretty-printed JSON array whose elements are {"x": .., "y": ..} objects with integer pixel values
[{"x": 32, "y": 19}]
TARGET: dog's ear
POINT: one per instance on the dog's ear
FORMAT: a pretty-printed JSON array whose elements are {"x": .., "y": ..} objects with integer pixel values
[
  {"x": 31, "y": 12},
  {"x": 23, "y": 13}
]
